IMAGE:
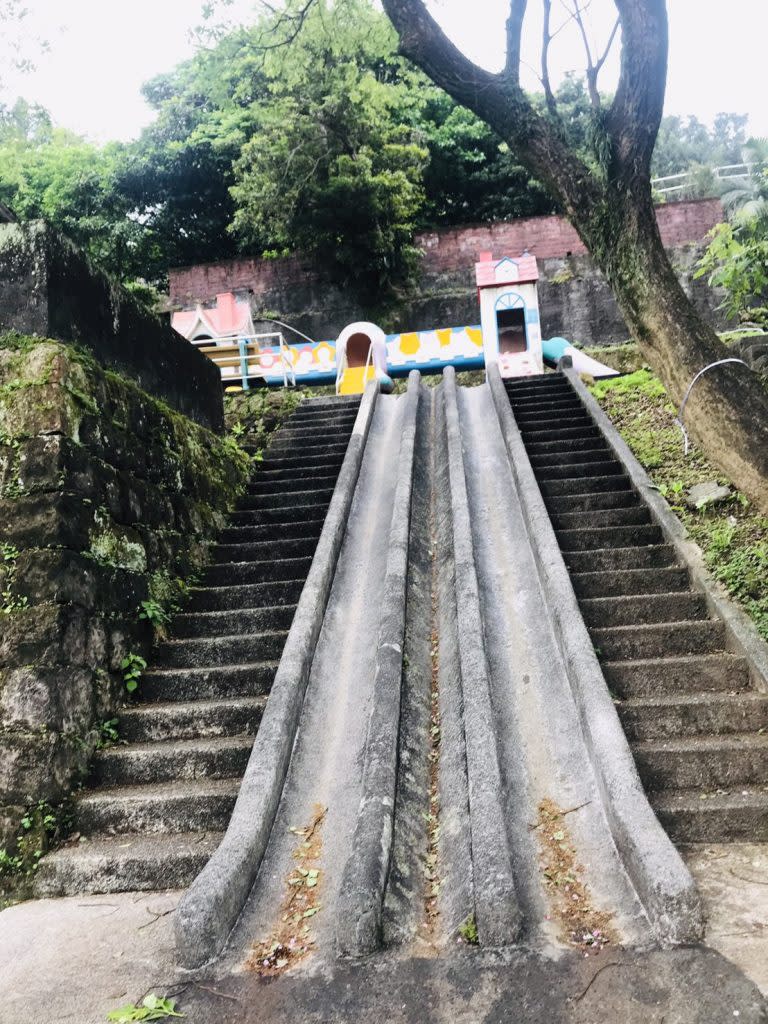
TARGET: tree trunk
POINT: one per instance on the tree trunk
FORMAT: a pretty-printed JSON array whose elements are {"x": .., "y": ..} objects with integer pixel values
[
  {"x": 727, "y": 411},
  {"x": 612, "y": 210}
]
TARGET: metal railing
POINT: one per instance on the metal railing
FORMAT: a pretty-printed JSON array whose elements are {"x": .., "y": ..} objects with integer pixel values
[
  {"x": 243, "y": 353},
  {"x": 728, "y": 172}
]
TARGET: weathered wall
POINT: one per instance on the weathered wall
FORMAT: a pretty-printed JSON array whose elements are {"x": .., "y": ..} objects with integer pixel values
[
  {"x": 48, "y": 289},
  {"x": 107, "y": 496},
  {"x": 575, "y": 299}
]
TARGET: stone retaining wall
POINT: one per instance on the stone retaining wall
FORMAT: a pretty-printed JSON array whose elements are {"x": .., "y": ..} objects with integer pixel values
[{"x": 107, "y": 497}]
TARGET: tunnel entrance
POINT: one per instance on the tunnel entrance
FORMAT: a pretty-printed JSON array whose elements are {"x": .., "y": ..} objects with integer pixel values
[{"x": 358, "y": 347}]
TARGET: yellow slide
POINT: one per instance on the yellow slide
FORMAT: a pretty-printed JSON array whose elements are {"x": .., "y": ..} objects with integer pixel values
[{"x": 354, "y": 379}]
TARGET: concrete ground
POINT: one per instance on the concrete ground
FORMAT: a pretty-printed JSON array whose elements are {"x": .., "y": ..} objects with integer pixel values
[
  {"x": 72, "y": 960},
  {"x": 733, "y": 881},
  {"x": 75, "y": 959}
]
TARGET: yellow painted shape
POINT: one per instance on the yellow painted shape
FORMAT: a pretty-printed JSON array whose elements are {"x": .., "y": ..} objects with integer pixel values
[
  {"x": 444, "y": 337},
  {"x": 354, "y": 379},
  {"x": 475, "y": 335},
  {"x": 409, "y": 344}
]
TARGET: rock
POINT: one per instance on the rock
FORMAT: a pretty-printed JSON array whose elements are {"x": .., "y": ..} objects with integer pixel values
[{"x": 709, "y": 493}]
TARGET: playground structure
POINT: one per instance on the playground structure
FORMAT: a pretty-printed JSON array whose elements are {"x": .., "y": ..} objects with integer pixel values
[{"x": 509, "y": 334}]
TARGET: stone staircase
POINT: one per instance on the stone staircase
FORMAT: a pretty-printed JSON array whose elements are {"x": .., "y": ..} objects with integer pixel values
[
  {"x": 158, "y": 802},
  {"x": 687, "y": 704}
]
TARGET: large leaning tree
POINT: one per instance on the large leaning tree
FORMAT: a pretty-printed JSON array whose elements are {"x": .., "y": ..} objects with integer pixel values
[{"x": 609, "y": 203}]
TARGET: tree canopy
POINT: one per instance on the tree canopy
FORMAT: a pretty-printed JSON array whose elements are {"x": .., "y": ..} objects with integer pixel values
[{"x": 318, "y": 137}]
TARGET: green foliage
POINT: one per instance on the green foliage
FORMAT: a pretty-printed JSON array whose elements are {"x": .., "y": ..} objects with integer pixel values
[
  {"x": 132, "y": 667},
  {"x": 9, "y": 601},
  {"x": 468, "y": 931},
  {"x": 684, "y": 142},
  {"x": 108, "y": 734},
  {"x": 737, "y": 260},
  {"x": 154, "y": 612},
  {"x": 41, "y": 826},
  {"x": 152, "y": 1008}
]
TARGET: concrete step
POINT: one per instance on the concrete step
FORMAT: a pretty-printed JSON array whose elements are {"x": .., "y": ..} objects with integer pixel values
[
  {"x": 637, "y": 515},
  {"x": 211, "y": 683},
  {"x": 247, "y": 595},
  {"x": 658, "y": 640},
  {"x": 596, "y": 454},
  {"x": 693, "y": 714},
  {"x": 230, "y": 574},
  {"x": 653, "y": 556},
  {"x": 205, "y": 652},
  {"x": 691, "y": 816},
  {"x": 233, "y": 621},
  {"x": 200, "y": 806},
  {"x": 139, "y": 764},
  {"x": 280, "y": 462},
  {"x": 563, "y": 448},
  {"x": 191, "y": 719},
  {"x": 537, "y": 418},
  {"x": 576, "y": 486},
  {"x": 573, "y": 470},
  {"x": 527, "y": 413},
  {"x": 541, "y": 384},
  {"x": 308, "y": 470},
  {"x": 305, "y": 471},
  {"x": 286, "y": 448},
  {"x": 696, "y": 673},
  {"x": 277, "y": 548},
  {"x": 312, "y": 434},
  {"x": 126, "y": 863},
  {"x": 300, "y": 482},
  {"x": 280, "y": 499},
  {"x": 328, "y": 402},
  {"x": 537, "y": 437},
  {"x": 320, "y": 416},
  {"x": 560, "y": 504},
  {"x": 628, "y": 582},
  {"x": 278, "y": 517},
  {"x": 535, "y": 422},
  {"x": 703, "y": 762},
  {"x": 599, "y": 537},
  {"x": 234, "y": 536},
  {"x": 643, "y": 609}
]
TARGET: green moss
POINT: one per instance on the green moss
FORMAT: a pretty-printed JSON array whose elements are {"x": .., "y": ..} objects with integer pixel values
[{"x": 732, "y": 536}]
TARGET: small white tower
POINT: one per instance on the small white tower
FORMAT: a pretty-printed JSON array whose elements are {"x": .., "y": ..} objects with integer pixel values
[{"x": 509, "y": 313}]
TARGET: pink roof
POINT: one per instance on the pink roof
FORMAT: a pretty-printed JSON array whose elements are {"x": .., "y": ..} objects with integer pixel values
[
  {"x": 491, "y": 273},
  {"x": 228, "y": 317}
]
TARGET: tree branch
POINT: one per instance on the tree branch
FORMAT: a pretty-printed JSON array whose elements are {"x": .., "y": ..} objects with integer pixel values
[
  {"x": 635, "y": 115},
  {"x": 545, "y": 44},
  {"x": 515, "y": 20},
  {"x": 498, "y": 100}
]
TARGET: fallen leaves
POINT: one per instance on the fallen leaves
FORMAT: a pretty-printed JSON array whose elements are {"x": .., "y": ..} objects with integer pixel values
[
  {"x": 581, "y": 924},
  {"x": 292, "y": 940}
]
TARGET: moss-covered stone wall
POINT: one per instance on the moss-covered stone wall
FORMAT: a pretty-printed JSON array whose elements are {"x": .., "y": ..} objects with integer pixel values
[{"x": 108, "y": 498}]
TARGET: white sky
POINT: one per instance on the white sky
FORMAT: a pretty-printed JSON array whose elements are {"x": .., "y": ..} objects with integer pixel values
[{"x": 101, "y": 52}]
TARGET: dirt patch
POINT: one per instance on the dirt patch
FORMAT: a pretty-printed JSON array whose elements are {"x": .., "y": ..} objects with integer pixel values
[
  {"x": 292, "y": 940},
  {"x": 581, "y": 924}
]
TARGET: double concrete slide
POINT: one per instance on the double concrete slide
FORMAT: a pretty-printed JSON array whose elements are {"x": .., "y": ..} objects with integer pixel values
[{"x": 486, "y": 644}]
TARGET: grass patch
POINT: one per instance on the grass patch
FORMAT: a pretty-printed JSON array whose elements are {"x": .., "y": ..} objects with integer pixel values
[{"x": 733, "y": 535}]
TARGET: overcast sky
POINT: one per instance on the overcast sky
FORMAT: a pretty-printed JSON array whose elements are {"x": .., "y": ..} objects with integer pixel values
[{"x": 101, "y": 52}]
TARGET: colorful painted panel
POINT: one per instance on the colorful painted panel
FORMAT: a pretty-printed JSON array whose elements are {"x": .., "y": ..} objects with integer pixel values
[{"x": 428, "y": 351}]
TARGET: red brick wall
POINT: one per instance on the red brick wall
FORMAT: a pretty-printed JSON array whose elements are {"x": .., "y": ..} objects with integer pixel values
[{"x": 445, "y": 250}]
